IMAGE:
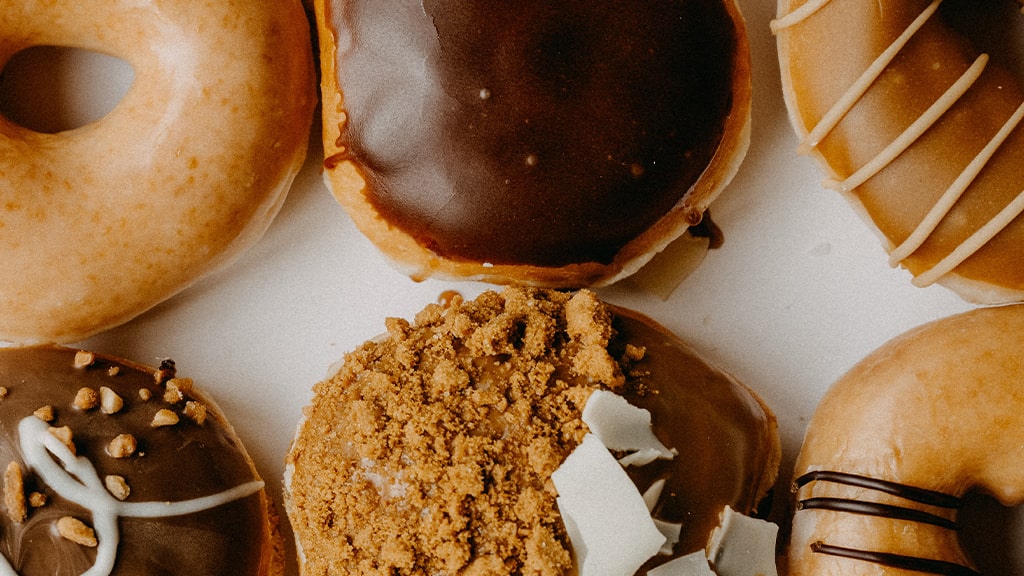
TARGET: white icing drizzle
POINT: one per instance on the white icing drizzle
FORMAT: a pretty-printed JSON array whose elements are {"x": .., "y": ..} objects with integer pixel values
[
  {"x": 914, "y": 131},
  {"x": 944, "y": 205},
  {"x": 797, "y": 16},
  {"x": 856, "y": 91},
  {"x": 76, "y": 479},
  {"x": 973, "y": 243},
  {"x": 952, "y": 194}
]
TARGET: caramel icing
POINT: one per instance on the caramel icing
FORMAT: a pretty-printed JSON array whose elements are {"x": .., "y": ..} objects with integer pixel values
[
  {"x": 195, "y": 505},
  {"x": 949, "y": 232},
  {"x": 553, "y": 138}
]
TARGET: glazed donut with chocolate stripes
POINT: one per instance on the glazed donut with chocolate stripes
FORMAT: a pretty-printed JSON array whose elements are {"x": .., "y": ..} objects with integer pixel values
[
  {"x": 557, "y": 145},
  {"x": 102, "y": 222},
  {"x": 897, "y": 443},
  {"x": 918, "y": 128}
]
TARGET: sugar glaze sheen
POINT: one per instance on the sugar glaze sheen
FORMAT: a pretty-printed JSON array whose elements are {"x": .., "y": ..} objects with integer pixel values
[{"x": 545, "y": 144}]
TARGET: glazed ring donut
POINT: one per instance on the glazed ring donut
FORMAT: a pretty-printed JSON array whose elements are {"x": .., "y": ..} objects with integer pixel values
[
  {"x": 918, "y": 129},
  {"x": 563, "y": 148},
  {"x": 100, "y": 223},
  {"x": 431, "y": 449},
  {"x": 114, "y": 468},
  {"x": 900, "y": 439}
]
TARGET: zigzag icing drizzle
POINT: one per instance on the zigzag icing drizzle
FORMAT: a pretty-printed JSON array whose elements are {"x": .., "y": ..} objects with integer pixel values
[
  {"x": 75, "y": 478},
  {"x": 931, "y": 221}
]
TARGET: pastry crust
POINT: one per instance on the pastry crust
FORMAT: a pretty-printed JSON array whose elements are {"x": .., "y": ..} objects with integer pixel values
[
  {"x": 918, "y": 129},
  {"x": 100, "y": 223},
  {"x": 899, "y": 440},
  {"x": 419, "y": 259}
]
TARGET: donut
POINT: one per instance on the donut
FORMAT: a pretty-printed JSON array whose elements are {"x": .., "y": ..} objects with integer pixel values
[
  {"x": 431, "y": 449},
  {"x": 557, "y": 146},
  {"x": 898, "y": 441},
  {"x": 917, "y": 126},
  {"x": 111, "y": 467},
  {"x": 100, "y": 223}
]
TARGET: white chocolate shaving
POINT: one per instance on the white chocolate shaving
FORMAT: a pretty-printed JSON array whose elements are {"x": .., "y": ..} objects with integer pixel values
[
  {"x": 624, "y": 427},
  {"x": 76, "y": 479},
  {"x": 743, "y": 546},
  {"x": 915, "y": 130},
  {"x": 692, "y": 564},
  {"x": 606, "y": 518}
]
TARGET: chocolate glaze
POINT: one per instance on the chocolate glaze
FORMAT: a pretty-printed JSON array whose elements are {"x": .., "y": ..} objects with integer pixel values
[
  {"x": 903, "y": 491},
  {"x": 531, "y": 132},
  {"x": 722, "y": 433},
  {"x": 175, "y": 463}
]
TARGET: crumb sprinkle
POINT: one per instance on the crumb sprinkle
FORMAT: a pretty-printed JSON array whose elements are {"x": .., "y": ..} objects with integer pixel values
[{"x": 454, "y": 424}]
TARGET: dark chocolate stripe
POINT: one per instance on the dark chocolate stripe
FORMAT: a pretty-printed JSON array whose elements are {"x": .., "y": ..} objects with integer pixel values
[
  {"x": 900, "y": 561},
  {"x": 914, "y": 494},
  {"x": 876, "y": 509}
]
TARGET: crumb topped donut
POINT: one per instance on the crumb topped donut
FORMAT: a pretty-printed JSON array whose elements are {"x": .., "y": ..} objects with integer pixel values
[
  {"x": 918, "y": 128},
  {"x": 546, "y": 144},
  {"x": 115, "y": 468},
  {"x": 898, "y": 441},
  {"x": 431, "y": 450},
  {"x": 100, "y": 223}
]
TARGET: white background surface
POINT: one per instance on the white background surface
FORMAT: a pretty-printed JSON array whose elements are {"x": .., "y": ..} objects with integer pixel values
[{"x": 798, "y": 293}]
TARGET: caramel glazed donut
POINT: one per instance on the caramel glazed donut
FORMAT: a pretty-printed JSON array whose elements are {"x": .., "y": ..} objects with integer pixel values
[
  {"x": 899, "y": 440},
  {"x": 432, "y": 449},
  {"x": 113, "y": 468},
  {"x": 100, "y": 223},
  {"x": 558, "y": 145},
  {"x": 918, "y": 129}
]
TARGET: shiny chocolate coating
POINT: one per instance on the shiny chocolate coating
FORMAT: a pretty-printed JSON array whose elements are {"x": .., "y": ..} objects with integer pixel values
[
  {"x": 726, "y": 440},
  {"x": 531, "y": 133},
  {"x": 172, "y": 464}
]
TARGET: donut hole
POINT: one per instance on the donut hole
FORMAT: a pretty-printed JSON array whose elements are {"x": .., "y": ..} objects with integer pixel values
[
  {"x": 52, "y": 89},
  {"x": 992, "y": 534},
  {"x": 995, "y": 27}
]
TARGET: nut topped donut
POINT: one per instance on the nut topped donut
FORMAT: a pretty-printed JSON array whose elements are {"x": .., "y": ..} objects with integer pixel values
[
  {"x": 102, "y": 222},
  {"x": 897, "y": 443},
  {"x": 433, "y": 448},
  {"x": 546, "y": 144},
  {"x": 112, "y": 468},
  {"x": 918, "y": 128}
]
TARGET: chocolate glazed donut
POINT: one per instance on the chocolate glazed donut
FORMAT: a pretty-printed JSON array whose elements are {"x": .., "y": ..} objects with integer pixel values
[{"x": 552, "y": 144}]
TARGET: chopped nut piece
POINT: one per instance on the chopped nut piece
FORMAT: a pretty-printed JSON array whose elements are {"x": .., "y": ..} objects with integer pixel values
[
  {"x": 113, "y": 371},
  {"x": 195, "y": 411},
  {"x": 3, "y": 392},
  {"x": 84, "y": 359},
  {"x": 76, "y": 531},
  {"x": 173, "y": 394},
  {"x": 117, "y": 486},
  {"x": 145, "y": 394},
  {"x": 37, "y": 499},
  {"x": 165, "y": 372},
  {"x": 122, "y": 446},
  {"x": 86, "y": 399},
  {"x": 45, "y": 413},
  {"x": 14, "y": 493},
  {"x": 110, "y": 402},
  {"x": 164, "y": 417},
  {"x": 64, "y": 435}
]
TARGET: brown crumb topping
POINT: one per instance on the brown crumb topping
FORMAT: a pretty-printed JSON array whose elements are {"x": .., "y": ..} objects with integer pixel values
[
  {"x": 430, "y": 452},
  {"x": 14, "y": 493}
]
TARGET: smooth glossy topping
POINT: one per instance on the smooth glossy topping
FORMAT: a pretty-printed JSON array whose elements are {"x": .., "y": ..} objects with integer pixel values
[
  {"x": 531, "y": 132},
  {"x": 96, "y": 492}
]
